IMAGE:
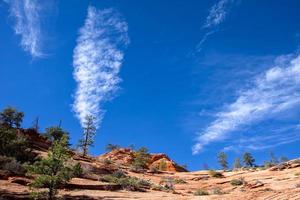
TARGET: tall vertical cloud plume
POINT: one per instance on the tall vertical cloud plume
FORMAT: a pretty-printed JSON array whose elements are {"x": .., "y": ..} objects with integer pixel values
[
  {"x": 27, "y": 15},
  {"x": 97, "y": 60},
  {"x": 274, "y": 92}
]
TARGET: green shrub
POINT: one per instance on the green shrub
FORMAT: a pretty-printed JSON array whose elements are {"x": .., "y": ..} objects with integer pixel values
[
  {"x": 141, "y": 158},
  {"x": 179, "y": 181},
  {"x": 201, "y": 192},
  {"x": 127, "y": 182},
  {"x": 12, "y": 165},
  {"x": 158, "y": 187},
  {"x": 215, "y": 174},
  {"x": 237, "y": 182},
  {"x": 168, "y": 183},
  {"x": 107, "y": 161},
  {"x": 111, "y": 147},
  {"x": 217, "y": 190}
]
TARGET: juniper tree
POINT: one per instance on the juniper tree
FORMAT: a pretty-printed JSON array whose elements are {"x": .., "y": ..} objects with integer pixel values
[
  {"x": 89, "y": 131},
  {"x": 237, "y": 163},
  {"x": 248, "y": 159},
  {"x": 222, "y": 159},
  {"x": 55, "y": 133},
  {"x": 54, "y": 170},
  {"x": 13, "y": 144},
  {"x": 10, "y": 117}
]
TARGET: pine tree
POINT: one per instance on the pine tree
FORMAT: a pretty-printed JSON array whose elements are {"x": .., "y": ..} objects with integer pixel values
[
  {"x": 248, "y": 159},
  {"x": 88, "y": 134},
  {"x": 53, "y": 170},
  {"x": 222, "y": 159},
  {"x": 237, "y": 163}
]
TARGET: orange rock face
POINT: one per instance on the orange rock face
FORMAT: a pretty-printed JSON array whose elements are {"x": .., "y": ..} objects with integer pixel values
[{"x": 125, "y": 156}]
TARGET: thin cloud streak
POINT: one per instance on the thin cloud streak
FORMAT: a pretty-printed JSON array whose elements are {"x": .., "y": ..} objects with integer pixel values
[
  {"x": 27, "y": 15},
  {"x": 217, "y": 15},
  {"x": 275, "y": 91},
  {"x": 97, "y": 60}
]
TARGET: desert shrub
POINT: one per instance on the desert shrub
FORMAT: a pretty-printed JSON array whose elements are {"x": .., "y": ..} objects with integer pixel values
[
  {"x": 141, "y": 158},
  {"x": 237, "y": 182},
  {"x": 179, "y": 181},
  {"x": 215, "y": 174},
  {"x": 127, "y": 182},
  {"x": 201, "y": 192},
  {"x": 297, "y": 174},
  {"x": 15, "y": 145},
  {"x": 268, "y": 164},
  {"x": 111, "y": 147},
  {"x": 12, "y": 165},
  {"x": 107, "y": 161},
  {"x": 158, "y": 187},
  {"x": 77, "y": 170},
  {"x": 168, "y": 183},
  {"x": 119, "y": 174},
  {"x": 217, "y": 190}
]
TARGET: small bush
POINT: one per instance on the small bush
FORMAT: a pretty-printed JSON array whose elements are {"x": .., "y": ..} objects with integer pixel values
[
  {"x": 237, "y": 182},
  {"x": 107, "y": 161},
  {"x": 201, "y": 192},
  {"x": 168, "y": 183},
  {"x": 12, "y": 165},
  {"x": 126, "y": 182},
  {"x": 297, "y": 174},
  {"x": 217, "y": 190},
  {"x": 215, "y": 174},
  {"x": 158, "y": 187},
  {"x": 179, "y": 181}
]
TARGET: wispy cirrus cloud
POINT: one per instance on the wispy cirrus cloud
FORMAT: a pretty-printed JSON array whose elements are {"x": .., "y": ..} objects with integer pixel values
[
  {"x": 97, "y": 60},
  {"x": 217, "y": 15},
  {"x": 27, "y": 17},
  {"x": 275, "y": 91}
]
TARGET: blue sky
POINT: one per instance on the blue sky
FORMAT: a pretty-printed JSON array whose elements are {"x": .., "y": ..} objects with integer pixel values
[{"x": 187, "y": 78}]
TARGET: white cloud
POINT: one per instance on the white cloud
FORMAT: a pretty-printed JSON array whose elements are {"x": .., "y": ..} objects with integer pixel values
[
  {"x": 97, "y": 60},
  {"x": 27, "y": 15},
  {"x": 217, "y": 13},
  {"x": 273, "y": 92}
]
